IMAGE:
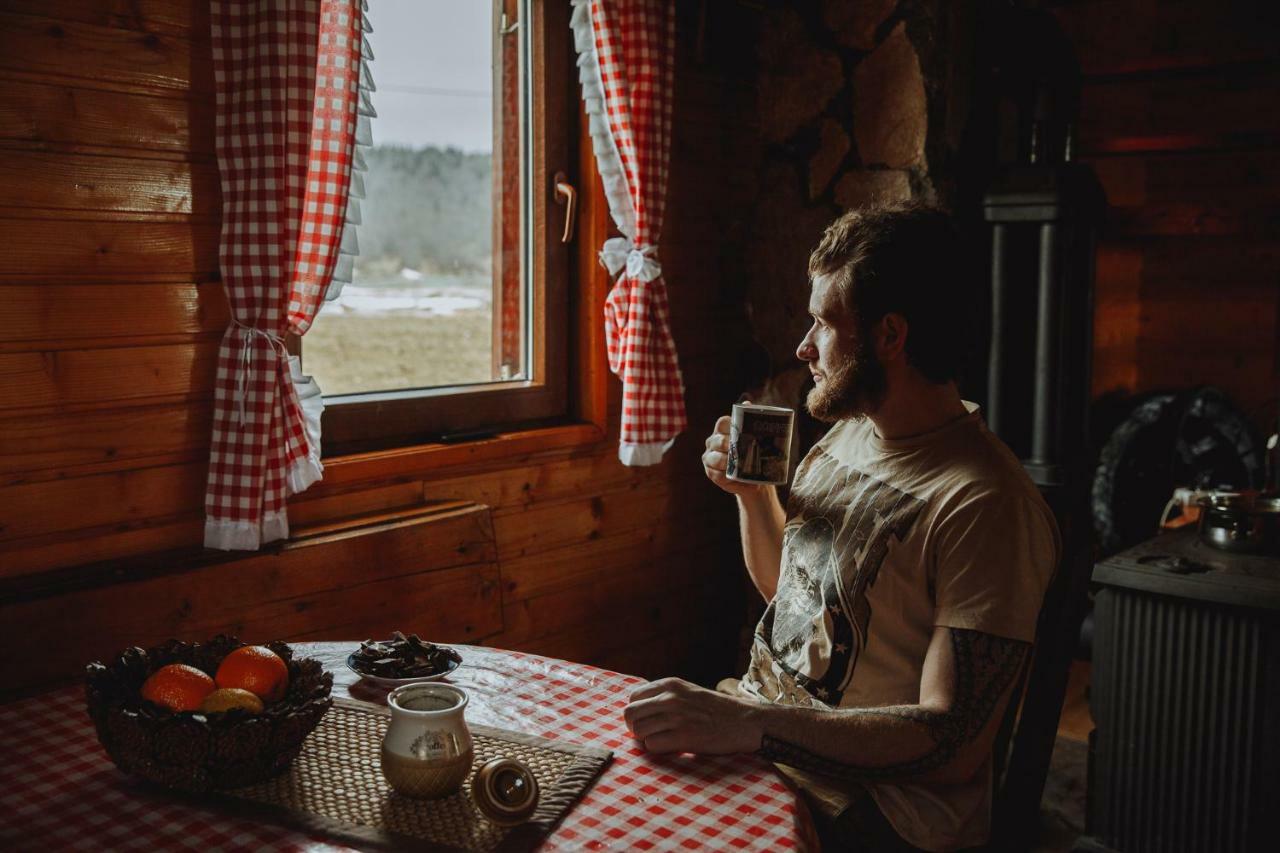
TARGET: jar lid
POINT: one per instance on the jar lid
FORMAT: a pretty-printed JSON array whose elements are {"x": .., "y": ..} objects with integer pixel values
[{"x": 505, "y": 791}]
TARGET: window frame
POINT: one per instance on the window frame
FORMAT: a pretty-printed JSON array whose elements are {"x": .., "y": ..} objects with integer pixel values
[{"x": 370, "y": 422}]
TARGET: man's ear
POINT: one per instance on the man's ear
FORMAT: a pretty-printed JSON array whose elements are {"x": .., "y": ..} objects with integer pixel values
[{"x": 891, "y": 337}]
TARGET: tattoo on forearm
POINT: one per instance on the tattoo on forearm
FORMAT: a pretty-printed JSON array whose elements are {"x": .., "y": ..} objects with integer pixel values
[{"x": 985, "y": 667}]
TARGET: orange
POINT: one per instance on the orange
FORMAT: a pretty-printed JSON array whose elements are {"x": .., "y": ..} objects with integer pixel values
[
  {"x": 178, "y": 687},
  {"x": 257, "y": 669},
  {"x": 226, "y": 698}
]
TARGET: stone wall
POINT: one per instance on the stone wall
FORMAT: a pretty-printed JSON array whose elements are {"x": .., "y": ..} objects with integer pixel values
[{"x": 852, "y": 105}]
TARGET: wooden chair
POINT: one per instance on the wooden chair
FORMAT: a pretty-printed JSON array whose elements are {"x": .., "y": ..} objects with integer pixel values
[{"x": 1029, "y": 730}]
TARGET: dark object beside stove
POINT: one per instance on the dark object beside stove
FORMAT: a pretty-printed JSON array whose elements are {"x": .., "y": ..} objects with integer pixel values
[
  {"x": 1196, "y": 438},
  {"x": 1185, "y": 696}
]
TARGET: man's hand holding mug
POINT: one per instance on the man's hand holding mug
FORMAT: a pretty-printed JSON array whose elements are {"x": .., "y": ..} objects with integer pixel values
[{"x": 750, "y": 449}]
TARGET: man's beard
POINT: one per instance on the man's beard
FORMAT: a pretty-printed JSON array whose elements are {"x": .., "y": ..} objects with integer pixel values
[{"x": 852, "y": 391}]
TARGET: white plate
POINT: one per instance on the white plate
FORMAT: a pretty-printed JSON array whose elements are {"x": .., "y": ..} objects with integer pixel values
[{"x": 396, "y": 682}]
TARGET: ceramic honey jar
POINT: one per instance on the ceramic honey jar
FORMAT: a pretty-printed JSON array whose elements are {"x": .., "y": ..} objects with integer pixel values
[{"x": 427, "y": 751}]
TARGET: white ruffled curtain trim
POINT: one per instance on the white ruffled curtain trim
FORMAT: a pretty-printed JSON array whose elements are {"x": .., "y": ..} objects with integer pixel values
[
  {"x": 350, "y": 247},
  {"x": 245, "y": 535},
  {"x": 608, "y": 160},
  {"x": 304, "y": 472},
  {"x": 643, "y": 454}
]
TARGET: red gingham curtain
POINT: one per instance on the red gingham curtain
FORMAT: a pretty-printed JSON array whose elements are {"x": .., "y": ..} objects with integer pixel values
[
  {"x": 286, "y": 74},
  {"x": 626, "y": 50}
]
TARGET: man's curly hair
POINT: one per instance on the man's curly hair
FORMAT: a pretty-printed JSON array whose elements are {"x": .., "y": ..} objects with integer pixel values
[{"x": 901, "y": 258}]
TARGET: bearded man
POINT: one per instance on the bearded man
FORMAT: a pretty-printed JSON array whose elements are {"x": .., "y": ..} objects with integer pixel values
[{"x": 903, "y": 580}]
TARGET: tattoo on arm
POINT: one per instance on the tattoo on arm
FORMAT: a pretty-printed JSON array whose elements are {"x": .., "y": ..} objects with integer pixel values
[{"x": 985, "y": 667}]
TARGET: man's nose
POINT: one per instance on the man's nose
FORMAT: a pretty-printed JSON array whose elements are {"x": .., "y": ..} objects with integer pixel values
[{"x": 806, "y": 351}]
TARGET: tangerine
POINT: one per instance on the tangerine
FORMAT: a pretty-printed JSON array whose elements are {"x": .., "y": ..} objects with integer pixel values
[
  {"x": 227, "y": 698},
  {"x": 257, "y": 669},
  {"x": 178, "y": 687}
]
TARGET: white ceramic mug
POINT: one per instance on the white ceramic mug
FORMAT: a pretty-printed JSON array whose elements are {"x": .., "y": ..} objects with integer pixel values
[{"x": 760, "y": 443}]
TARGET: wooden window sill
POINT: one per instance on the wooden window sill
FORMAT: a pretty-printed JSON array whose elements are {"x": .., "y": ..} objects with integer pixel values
[{"x": 423, "y": 459}]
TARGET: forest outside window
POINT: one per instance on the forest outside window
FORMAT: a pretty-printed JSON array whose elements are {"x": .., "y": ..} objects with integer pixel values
[{"x": 456, "y": 320}]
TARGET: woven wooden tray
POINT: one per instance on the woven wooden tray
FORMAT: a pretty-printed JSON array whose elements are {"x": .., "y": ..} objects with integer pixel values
[{"x": 336, "y": 786}]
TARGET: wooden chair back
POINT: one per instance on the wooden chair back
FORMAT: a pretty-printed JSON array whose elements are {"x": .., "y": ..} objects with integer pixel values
[{"x": 1025, "y": 744}]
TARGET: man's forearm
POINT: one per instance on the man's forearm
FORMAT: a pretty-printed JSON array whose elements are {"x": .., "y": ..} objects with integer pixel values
[
  {"x": 761, "y": 520},
  {"x": 903, "y": 741},
  {"x": 861, "y": 744}
]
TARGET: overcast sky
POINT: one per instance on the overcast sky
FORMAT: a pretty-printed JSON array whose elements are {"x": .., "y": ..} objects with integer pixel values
[{"x": 433, "y": 69}]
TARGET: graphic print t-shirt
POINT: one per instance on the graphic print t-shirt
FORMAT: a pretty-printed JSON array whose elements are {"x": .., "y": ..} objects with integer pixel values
[{"x": 886, "y": 539}]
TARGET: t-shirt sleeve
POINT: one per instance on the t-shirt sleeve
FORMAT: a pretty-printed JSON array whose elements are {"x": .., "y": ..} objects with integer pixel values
[{"x": 993, "y": 557}]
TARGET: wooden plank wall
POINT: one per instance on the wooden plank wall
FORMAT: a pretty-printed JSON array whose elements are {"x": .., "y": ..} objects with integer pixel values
[
  {"x": 320, "y": 585},
  {"x": 1178, "y": 116},
  {"x": 109, "y": 214}
]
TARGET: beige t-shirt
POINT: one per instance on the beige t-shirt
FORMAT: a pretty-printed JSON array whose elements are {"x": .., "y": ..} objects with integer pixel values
[{"x": 886, "y": 539}]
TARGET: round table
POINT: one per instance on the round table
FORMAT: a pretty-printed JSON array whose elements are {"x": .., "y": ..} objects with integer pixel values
[{"x": 58, "y": 789}]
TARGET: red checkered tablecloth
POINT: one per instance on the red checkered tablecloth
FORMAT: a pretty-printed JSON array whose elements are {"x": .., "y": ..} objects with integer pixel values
[{"x": 59, "y": 791}]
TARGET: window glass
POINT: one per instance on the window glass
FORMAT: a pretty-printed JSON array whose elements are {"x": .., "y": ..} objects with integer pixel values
[{"x": 440, "y": 236}]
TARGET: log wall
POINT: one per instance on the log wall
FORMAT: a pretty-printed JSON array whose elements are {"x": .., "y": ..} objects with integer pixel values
[
  {"x": 109, "y": 214},
  {"x": 1178, "y": 118}
]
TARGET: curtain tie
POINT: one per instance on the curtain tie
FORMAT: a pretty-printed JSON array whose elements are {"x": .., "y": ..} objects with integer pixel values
[
  {"x": 246, "y": 360},
  {"x": 640, "y": 262}
]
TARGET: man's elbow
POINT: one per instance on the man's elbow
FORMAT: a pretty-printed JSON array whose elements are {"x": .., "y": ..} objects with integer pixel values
[{"x": 963, "y": 753}]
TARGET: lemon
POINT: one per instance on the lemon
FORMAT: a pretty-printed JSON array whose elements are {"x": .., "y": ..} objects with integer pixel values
[{"x": 226, "y": 698}]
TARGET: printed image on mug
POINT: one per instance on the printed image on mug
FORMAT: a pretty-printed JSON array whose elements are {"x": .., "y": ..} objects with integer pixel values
[{"x": 759, "y": 443}]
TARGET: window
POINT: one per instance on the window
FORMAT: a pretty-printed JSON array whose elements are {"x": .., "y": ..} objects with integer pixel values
[{"x": 457, "y": 318}]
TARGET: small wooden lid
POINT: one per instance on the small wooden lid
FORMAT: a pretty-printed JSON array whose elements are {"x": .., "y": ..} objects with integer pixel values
[{"x": 505, "y": 791}]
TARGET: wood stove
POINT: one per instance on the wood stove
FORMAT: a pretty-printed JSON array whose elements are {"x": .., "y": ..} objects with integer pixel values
[{"x": 1186, "y": 700}]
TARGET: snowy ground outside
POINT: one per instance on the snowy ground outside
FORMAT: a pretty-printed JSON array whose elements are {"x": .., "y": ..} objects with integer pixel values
[{"x": 402, "y": 329}]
